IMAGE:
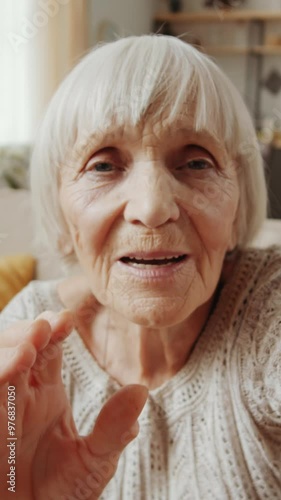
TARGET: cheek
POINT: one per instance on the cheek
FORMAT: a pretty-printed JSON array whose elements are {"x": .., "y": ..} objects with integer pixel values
[
  {"x": 213, "y": 210},
  {"x": 78, "y": 212},
  {"x": 89, "y": 218}
]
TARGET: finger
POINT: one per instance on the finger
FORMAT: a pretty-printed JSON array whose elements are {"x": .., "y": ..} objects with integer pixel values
[
  {"x": 15, "y": 361},
  {"x": 28, "y": 330},
  {"x": 37, "y": 332},
  {"x": 61, "y": 323},
  {"x": 116, "y": 424},
  {"x": 47, "y": 367}
]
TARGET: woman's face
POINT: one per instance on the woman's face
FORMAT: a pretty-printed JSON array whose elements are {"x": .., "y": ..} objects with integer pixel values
[{"x": 151, "y": 213}]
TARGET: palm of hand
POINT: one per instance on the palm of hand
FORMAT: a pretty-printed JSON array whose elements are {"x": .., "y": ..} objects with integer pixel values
[{"x": 52, "y": 459}]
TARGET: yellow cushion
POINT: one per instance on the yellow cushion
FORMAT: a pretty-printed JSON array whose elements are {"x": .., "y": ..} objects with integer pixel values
[{"x": 15, "y": 273}]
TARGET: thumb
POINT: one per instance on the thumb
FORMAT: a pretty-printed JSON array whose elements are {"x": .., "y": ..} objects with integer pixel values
[{"x": 117, "y": 424}]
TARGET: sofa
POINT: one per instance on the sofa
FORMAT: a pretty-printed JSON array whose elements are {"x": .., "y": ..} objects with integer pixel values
[{"x": 16, "y": 232}]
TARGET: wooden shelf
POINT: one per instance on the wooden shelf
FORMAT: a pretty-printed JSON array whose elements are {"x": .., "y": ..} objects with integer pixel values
[
  {"x": 274, "y": 50},
  {"x": 217, "y": 16},
  {"x": 225, "y": 50},
  {"x": 221, "y": 50}
]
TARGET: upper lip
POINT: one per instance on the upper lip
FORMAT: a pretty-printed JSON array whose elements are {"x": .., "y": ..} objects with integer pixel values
[{"x": 157, "y": 254}]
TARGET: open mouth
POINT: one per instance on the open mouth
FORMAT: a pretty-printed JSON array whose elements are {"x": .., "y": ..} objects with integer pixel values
[{"x": 165, "y": 261}]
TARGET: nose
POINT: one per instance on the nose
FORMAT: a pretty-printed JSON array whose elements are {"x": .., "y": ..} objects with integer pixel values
[{"x": 152, "y": 200}]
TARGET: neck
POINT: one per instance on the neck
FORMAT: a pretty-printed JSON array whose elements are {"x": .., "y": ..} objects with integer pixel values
[
  {"x": 129, "y": 352},
  {"x": 132, "y": 353}
]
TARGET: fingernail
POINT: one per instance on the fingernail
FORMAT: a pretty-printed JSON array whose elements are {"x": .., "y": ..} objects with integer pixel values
[{"x": 52, "y": 318}]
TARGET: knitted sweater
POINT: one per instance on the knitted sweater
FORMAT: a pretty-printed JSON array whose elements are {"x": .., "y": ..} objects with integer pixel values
[{"x": 213, "y": 431}]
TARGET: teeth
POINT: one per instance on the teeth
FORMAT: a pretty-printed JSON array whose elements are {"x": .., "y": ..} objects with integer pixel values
[
  {"x": 158, "y": 258},
  {"x": 145, "y": 266},
  {"x": 161, "y": 261}
]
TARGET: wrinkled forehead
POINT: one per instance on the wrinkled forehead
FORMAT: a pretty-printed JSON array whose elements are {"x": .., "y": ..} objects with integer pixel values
[{"x": 156, "y": 126}]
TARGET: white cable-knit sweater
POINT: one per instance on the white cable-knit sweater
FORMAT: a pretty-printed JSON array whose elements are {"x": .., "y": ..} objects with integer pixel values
[{"x": 212, "y": 432}]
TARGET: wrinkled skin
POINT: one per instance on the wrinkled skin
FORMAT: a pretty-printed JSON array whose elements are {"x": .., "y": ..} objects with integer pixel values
[{"x": 156, "y": 186}]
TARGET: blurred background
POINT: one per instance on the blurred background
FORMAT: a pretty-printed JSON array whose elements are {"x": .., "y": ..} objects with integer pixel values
[{"x": 41, "y": 40}]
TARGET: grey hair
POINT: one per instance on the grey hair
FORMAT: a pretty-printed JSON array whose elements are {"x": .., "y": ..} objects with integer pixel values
[{"x": 123, "y": 81}]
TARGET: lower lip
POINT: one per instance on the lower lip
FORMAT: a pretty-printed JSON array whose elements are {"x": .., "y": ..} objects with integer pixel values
[{"x": 153, "y": 273}]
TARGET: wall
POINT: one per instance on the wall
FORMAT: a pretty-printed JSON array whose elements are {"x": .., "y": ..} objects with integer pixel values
[{"x": 109, "y": 18}]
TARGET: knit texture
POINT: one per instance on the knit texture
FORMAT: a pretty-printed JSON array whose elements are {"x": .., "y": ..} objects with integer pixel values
[{"x": 213, "y": 431}]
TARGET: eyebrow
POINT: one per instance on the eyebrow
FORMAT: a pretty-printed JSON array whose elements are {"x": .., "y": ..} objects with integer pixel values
[{"x": 101, "y": 138}]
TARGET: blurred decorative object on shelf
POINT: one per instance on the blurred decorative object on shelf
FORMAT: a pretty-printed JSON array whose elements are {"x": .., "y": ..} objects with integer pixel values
[
  {"x": 14, "y": 166},
  {"x": 269, "y": 133},
  {"x": 222, "y": 4},
  {"x": 175, "y": 5},
  {"x": 273, "y": 82}
]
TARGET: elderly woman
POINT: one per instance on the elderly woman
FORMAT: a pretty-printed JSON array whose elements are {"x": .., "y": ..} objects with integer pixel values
[{"x": 148, "y": 182}]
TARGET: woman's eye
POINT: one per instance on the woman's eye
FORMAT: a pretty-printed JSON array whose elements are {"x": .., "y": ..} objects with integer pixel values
[
  {"x": 101, "y": 167},
  {"x": 200, "y": 164}
]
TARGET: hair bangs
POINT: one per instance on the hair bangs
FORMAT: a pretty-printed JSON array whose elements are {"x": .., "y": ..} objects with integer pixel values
[
  {"x": 131, "y": 87},
  {"x": 122, "y": 83},
  {"x": 137, "y": 78}
]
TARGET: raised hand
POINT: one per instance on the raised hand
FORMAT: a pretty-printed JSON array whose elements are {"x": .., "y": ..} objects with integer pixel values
[{"x": 51, "y": 460}]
